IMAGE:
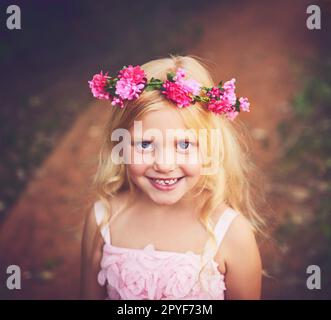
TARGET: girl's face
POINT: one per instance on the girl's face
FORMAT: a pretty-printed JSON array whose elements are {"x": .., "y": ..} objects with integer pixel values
[{"x": 169, "y": 165}]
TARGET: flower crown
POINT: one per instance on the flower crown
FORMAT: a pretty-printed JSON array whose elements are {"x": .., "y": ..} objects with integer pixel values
[{"x": 132, "y": 81}]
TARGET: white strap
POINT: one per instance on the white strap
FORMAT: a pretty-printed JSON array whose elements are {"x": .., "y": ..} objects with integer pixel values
[
  {"x": 223, "y": 224},
  {"x": 99, "y": 212}
]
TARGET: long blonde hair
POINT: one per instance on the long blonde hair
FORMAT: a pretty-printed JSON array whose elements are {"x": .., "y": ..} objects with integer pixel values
[{"x": 231, "y": 184}]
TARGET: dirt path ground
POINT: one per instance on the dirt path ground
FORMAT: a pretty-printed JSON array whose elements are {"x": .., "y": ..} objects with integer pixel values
[{"x": 263, "y": 49}]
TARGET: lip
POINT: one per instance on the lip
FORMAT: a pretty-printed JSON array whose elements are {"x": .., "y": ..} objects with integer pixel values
[{"x": 165, "y": 187}]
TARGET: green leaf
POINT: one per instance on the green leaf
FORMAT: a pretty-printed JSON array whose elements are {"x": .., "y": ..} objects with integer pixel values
[
  {"x": 237, "y": 105},
  {"x": 154, "y": 84},
  {"x": 112, "y": 81},
  {"x": 206, "y": 89},
  {"x": 201, "y": 99},
  {"x": 170, "y": 76},
  {"x": 151, "y": 88}
]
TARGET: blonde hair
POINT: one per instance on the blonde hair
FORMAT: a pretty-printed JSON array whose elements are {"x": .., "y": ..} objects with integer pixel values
[{"x": 231, "y": 184}]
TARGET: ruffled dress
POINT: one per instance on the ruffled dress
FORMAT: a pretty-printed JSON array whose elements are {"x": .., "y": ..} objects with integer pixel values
[{"x": 147, "y": 273}]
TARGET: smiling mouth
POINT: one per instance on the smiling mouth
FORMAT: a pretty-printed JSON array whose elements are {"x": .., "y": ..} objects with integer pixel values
[{"x": 165, "y": 182}]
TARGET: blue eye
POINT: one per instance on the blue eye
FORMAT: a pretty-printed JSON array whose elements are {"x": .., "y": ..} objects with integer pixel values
[
  {"x": 144, "y": 145},
  {"x": 184, "y": 144}
]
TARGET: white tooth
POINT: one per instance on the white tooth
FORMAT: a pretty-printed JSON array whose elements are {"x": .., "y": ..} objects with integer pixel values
[{"x": 166, "y": 182}]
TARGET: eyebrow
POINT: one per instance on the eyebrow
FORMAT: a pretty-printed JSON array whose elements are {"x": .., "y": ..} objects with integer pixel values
[
  {"x": 136, "y": 140},
  {"x": 141, "y": 139},
  {"x": 186, "y": 139}
]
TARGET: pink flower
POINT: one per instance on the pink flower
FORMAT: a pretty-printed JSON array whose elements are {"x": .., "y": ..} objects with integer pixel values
[
  {"x": 128, "y": 90},
  {"x": 180, "y": 74},
  {"x": 231, "y": 115},
  {"x": 244, "y": 104},
  {"x": 215, "y": 92},
  {"x": 222, "y": 102},
  {"x": 177, "y": 93},
  {"x": 229, "y": 98},
  {"x": 190, "y": 85},
  {"x": 229, "y": 85},
  {"x": 117, "y": 101},
  {"x": 133, "y": 74},
  {"x": 132, "y": 82},
  {"x": 98, "y": 86},
  {"x": 219, "y": 106}
]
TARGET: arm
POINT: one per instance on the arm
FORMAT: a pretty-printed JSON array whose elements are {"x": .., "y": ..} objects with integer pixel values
[
  {"x": 243, "y": 262},
  {"x": 91, "y": 255}
]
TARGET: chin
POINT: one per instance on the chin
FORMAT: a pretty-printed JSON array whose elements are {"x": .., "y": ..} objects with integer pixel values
[{"x": 164, "y": 199}]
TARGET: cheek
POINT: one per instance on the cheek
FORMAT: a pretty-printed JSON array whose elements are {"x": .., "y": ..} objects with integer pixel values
[
  {"x": 136, "y": 170},
  {"x": 191, "y": 170}
]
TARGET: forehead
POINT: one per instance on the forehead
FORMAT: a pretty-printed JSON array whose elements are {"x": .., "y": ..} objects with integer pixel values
[
  {"x": 163, "y": 121},
  {"x": 163, "y": 117}
]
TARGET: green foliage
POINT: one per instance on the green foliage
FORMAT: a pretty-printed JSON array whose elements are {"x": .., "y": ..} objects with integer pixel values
[
  {"x": 154, "y": 84},
  {"x": 170, "y": 76},
  {"x": 307, "y": 162}
]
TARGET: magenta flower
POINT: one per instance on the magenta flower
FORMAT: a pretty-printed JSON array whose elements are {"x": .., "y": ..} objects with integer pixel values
[
  {"x": 177, "y": 93},
  {"x": 133, "y": 74},
  {"x": 98, "y": 86},
  {"x": 219, "y": 106},
  {"x": 215, "y": 92},
  {"x": 244, "y": 104},
  {"x": 131, "y": 84}
]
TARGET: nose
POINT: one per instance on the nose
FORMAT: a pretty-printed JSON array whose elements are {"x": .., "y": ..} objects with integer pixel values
[{"x": 163, "y": 165}]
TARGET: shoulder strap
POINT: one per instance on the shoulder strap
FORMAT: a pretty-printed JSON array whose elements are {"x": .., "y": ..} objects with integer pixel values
[
  {"x": 223, "y": 224},
  {"x": 99, "y": 212}
]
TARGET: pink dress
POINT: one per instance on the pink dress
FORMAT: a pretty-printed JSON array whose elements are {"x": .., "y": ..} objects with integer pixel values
[{"x": 135, "y": 274}]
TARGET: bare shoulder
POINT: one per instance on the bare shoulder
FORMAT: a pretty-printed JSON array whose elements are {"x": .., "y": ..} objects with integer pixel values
[
  {"x": 91, "y": 254},
  {"x": 90, "y": 233},
  {"x": 238, "y": 243},
  {"x": 240, "y": 255},
  {"x": 240, "y": 233}
]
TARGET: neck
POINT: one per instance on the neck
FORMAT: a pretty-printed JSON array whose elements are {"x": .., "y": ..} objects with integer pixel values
[{"x": 184, "y": 205}]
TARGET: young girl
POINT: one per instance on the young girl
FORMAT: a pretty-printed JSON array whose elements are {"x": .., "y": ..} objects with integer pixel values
[{"x": 167, "y": 224}]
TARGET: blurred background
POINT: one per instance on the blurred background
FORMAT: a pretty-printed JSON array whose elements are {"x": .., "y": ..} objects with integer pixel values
[{"x": 51, "y": 126}]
